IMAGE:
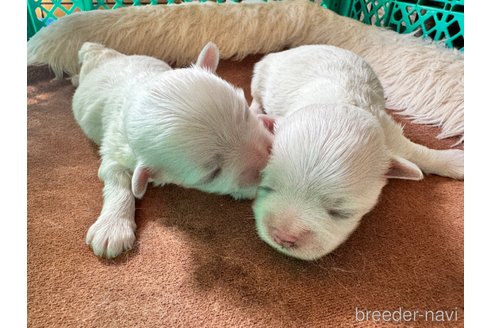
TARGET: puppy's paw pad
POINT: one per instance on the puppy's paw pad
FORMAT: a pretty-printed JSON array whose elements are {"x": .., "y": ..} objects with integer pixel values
[{"x": 110, "y": 237}]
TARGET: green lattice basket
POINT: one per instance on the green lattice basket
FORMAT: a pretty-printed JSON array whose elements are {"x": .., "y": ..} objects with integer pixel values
[{"x": 435, "y": 19}]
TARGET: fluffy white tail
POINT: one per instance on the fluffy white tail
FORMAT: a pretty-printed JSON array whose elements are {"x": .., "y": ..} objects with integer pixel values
[{"x": 422, "y": 79}]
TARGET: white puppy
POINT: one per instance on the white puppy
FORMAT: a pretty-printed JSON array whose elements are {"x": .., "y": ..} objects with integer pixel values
[
  {"x": 185, "y": 126},
  {"x": 335, "y": 147}
]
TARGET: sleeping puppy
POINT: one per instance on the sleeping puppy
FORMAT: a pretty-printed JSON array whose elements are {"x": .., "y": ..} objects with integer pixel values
[
  {"x": 334, "y": 149},
  {"x": 154, "y": 124}
]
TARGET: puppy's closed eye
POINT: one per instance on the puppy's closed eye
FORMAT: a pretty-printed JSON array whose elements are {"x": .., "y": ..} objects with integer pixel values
[
  {"x": 213, "y": 175},
  {"x": 338, "y": 214},
  {"x": 265, "y": 189}
]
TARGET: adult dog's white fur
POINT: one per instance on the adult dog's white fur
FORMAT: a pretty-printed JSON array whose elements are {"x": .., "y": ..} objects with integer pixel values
[
  {"x": 334, "y": 148},
  {"x": 155, "y": 124},
  {"x": 422, "y": 79}
]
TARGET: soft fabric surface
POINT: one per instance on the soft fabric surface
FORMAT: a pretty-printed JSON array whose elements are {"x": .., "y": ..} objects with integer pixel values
[{"x": 198, "y": 261}]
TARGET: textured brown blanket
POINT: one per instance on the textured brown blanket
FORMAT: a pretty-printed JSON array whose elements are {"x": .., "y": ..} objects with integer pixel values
[{"x": 198, "y": 261}]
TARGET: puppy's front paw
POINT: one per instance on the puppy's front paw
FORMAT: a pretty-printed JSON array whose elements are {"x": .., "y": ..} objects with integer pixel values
[
  {"x": 110, "y": 236},
  {"x": 453, "y": 163}
]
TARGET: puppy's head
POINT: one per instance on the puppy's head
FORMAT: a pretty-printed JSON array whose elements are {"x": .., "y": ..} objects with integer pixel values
[
  {"x": 327, "y": 169},
  {"x": 196, "y": 130}
]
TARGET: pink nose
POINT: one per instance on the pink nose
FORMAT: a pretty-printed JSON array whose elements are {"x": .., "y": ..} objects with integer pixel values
[{"x": 284, "y": 239}]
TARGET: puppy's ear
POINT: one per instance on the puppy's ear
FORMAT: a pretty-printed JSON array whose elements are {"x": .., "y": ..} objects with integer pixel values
[
  {"x": 268, "y": 121},
  {"x": 401, "y": 168},
  {"x": 209, "y": 57},
  {"x": 140, "y": 180}
]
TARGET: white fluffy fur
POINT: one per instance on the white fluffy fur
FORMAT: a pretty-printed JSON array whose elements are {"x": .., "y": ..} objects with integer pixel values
[
  {"x": 334, "y": 149},
  {"x": 184, "y": 126},
  {"x": 422, "y": 79}
]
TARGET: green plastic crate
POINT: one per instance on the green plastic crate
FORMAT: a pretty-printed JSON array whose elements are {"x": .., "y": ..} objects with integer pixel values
[{"x": 436, "y": 19}]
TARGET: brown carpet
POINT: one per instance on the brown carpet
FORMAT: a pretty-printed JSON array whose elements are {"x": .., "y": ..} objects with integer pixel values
[{"x": 198, "y": 261}]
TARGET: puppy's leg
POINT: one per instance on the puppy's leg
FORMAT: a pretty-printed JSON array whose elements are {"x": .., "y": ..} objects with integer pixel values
[
  {"x": 449, "y": 162},
  {"x": 113, "y": 231}
]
